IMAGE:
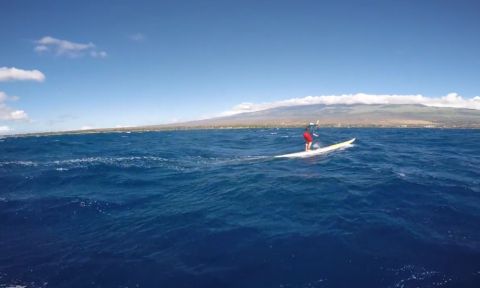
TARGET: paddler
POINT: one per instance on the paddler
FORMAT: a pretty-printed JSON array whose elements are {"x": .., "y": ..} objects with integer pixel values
[
  {"x": 307, "y": 135},
  {"x": 308, "y": 138}
]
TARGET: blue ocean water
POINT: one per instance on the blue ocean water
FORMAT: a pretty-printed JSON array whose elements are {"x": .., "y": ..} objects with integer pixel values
[{"x": 212, "y": 208}]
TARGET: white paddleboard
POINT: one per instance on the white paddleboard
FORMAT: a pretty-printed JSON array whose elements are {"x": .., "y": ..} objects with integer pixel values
[{"x": 318, "y": 151}]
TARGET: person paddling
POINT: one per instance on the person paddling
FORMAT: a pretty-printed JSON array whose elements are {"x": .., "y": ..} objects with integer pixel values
[
  {"x": 308, "y": 138},
  {"x": 307, "y": 135}
]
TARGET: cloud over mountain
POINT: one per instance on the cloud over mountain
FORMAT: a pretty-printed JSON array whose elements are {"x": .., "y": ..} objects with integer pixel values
[{"x": 451, "y": 100}]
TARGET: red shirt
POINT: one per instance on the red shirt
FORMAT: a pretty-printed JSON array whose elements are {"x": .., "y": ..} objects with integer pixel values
[{"x": 307, "y": 136}]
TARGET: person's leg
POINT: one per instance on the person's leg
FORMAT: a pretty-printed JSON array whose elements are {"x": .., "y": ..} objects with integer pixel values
[{"x": 306, "y": 146}]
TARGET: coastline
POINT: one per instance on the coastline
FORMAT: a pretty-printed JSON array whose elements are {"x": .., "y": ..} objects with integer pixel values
[{"x": 178, "y": 127}]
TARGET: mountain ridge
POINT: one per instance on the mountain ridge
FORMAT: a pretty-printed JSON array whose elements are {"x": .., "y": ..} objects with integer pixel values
[
  {"x": 337, "y": 115},
  {"x": 388, "y": 115}
]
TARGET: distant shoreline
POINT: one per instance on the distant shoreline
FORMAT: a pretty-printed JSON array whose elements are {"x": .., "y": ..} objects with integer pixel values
[
  {"x": 170, "y": 127},
  {"x": 327, "y": 116}
]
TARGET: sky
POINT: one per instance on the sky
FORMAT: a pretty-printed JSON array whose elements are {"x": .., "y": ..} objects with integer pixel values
[{"x": 92, "y": 64}]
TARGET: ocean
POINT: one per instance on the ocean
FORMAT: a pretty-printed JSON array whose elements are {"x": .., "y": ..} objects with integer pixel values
[{"x": 213, "y": 208}]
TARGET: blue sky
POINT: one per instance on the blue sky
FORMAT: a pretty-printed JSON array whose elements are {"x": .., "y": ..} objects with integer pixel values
[{"x": 123, "y": 63}]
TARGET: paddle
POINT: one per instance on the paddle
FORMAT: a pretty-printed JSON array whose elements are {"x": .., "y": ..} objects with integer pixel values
[
  {"x": 315, "y": 127},
  {"x": 315, "y": 145}
]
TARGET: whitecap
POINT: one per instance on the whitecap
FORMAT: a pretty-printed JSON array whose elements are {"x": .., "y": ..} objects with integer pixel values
[{"x": 19, "y": 163}]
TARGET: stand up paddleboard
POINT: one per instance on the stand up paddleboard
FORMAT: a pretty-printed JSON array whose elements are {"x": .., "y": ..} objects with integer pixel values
[{"x": 318, "y": 151}]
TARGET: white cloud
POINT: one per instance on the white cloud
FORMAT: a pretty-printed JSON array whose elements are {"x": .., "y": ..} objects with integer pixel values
[
  {"x": 13, "y": 98},
  {"x": 14, "y": 74},
  {"x": 7, "y": 113},
  {"x": 18, "y": 115},
  {"x": 86, "y": 127},
  {"x": 451, "y": 100},
  {"x": 67, "y": 48},
  {"x": 98, "y": 54},
  {"x": 4, "y": 129},
  {"x": 40, "y": 48},
  {"x": 137, "y": 37}
]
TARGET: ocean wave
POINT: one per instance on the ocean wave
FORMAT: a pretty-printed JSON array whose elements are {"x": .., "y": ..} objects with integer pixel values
[
  {"x": 65, "y": 164},
  {"x": 414, "y": 276},
  {"x": 17, "y": 283},
  {"x": 185, "y": 163},
  {"x": 18, "y": 163},
  {"x": 399, "y": 210}
]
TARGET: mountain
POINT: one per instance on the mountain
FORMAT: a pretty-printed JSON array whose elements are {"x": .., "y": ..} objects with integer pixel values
[{"x": 357, "y": 115}]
